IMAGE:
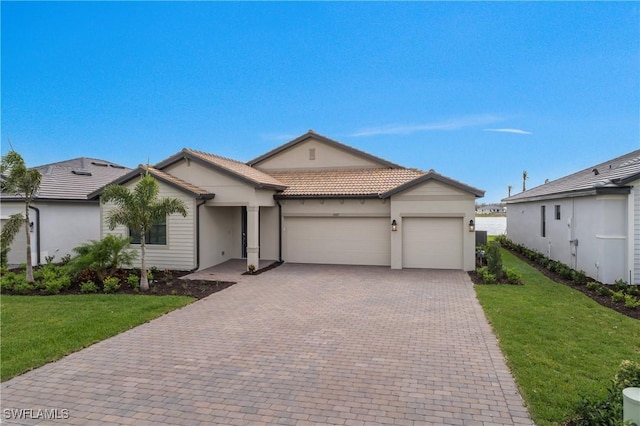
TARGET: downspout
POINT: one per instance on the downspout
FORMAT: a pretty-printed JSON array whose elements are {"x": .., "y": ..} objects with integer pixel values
[
  {"x": 37, "y": 221},
  {"x": 198, "y": 234},
  {"x": 280, "y": 231}
]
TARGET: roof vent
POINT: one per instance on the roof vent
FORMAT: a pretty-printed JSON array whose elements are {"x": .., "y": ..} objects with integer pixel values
[
  {"x": 95, "y": 163},
  {"x": 81, "y": 172},
  {"x": 115, "y": 166},
  {"x": 595, "y": 172}
]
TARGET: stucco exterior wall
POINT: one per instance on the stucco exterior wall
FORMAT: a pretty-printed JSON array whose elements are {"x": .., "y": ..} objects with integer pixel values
[
  {"x": 219, "y": 235},
  {"x": 314, "y": 154},
  {"x": 433, "y": 199},
  {"x": 598, "y": 223},
  {"x": 63, "y": 226},
  {"x": 228, "y": 190},
  {"x": 269, "y": 233},
  {"x": 180, "y": 251}
]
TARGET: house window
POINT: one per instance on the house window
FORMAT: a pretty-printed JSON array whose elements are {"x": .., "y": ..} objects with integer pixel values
[
  {"x": 557, "y": 211},
  {"x": 543, "y": 221},
  {"x": 156, "y": 235}
]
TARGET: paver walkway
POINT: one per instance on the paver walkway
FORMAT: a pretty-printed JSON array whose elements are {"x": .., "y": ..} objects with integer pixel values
[{"x": 300, "y": 344}]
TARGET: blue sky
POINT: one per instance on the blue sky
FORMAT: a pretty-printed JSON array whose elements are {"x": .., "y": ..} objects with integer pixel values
[{"x": 477, "y": 91}]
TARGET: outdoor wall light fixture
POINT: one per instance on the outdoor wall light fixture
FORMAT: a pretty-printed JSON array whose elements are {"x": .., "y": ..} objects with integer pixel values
[
  {"x": 394, "y": 225},
  {"x": 472, "y": 226}
]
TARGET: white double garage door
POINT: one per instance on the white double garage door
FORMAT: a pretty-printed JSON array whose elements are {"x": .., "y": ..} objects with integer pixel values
[{"x": 433, "y": 242}]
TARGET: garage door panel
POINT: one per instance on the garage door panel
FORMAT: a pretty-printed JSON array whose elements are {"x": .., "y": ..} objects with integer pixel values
[
  {"x": 432, "y": 243},
  {"x": 338, "y": 240}
]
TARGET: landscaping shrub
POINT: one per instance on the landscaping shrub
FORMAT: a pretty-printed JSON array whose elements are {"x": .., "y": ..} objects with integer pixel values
[
  {"x": 617, "y": 297},
  {"x": 111, "y": 284},
  {"x": 486, "y": 276},
  {"x": 88, "y": 287},
  {"x": 513, "y": 276},
  {"x": 604, "y": 291},
  {"x": 134, "y": 281},
  {"x": 23, "y": 287},
  {"x": 621, "y": 285},
  {"x": 592, "y": 285},
  {"x": 631, "y": 302},
  {"x": 9, "y": 280},
  {"x": 579, "y": 277},
  {"x": 494, "y": 260},
  {"x": 52, "y": 279},
  {"x": 608, "y": 411},
  {"x": 112, "y": 252}
]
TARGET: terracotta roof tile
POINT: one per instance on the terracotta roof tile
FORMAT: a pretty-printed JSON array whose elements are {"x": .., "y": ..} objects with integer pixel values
[
  {"x": 235, "y": 167},
  {"x": 352, "y": 182},
  {"x": 175, "y": 181}
]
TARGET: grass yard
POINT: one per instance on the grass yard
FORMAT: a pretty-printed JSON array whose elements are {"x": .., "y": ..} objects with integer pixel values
[
  {"x": 40, "y": 329},
  {"x": 559, "y": 344}
]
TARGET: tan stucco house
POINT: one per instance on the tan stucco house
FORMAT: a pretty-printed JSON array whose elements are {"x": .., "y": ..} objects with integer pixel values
[{"x": 311, "y": 200}]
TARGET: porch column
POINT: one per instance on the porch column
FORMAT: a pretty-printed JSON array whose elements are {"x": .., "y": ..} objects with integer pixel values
[{"x": 253, "y": 231}]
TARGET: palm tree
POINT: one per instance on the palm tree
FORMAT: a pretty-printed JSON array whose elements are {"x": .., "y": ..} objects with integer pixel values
[
  {"x": 139, "y": 209},
  {"x": 510, "y": 187},
  {"x": 525, "y": 176},
  {"x": 23, "y": 183}
]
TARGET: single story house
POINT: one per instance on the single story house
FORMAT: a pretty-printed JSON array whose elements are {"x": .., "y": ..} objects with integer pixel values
[
  {"x": 311, "y": 200},
  {"x": 61, "y": 216},
  {"x": 589, "y": 220},
  {"x": 491, "y": 209}
]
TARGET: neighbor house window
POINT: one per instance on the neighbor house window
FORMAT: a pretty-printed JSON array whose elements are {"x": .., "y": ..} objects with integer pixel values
[
  {"x": 156, "y": 235},
  {"x": 543, "y": 221},
  {"x": 557, "y": 208}
]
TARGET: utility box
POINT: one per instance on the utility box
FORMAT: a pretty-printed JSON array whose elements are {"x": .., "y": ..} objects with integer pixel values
[
  {"x": 481, "y": 238},
  {"x": 631, "y": 405}
]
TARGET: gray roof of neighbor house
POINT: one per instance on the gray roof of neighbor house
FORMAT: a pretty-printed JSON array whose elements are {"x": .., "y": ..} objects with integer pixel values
[
  {"x": 611, "y": 176},
  {"x": 171, "y": 180},
  {"x": 227, "y": 166},
  {"x": 73, "y": 180},
  {"x": 311, "y": 134}
]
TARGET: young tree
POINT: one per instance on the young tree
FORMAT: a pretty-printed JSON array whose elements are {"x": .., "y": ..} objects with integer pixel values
[
  {"x": 525, "y": 176},
  {"x": 509, "y": 188},
  {"x": 23, "y": 183},
  {"x": 139, "y": 209}
]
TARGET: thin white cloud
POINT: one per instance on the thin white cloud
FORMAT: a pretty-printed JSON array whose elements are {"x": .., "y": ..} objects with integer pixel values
[
  {"x": 450, "y": 124},
  {"x": 516, "y": 131}
]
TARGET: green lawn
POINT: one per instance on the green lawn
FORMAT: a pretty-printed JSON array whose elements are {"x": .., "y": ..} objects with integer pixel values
[
  {"x": 559, "y": 344},
  {"x": 40, "y": 329}
]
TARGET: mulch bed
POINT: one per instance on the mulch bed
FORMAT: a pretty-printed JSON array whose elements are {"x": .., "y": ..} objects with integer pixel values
[{"x": 603, "y": 300}]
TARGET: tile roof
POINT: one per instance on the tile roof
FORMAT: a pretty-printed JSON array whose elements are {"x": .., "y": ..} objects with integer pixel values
[
  {"x": 161, "y": 176},
  {"x": 609, "y": 175},
  {"x": 76, "y": 178},
  {"x": 343, "y": 183},
  {"x": 232, "y": 167}
]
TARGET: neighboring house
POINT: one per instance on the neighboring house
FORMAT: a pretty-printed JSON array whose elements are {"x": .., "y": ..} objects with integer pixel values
[
  {"x": 589, "y": 220},
  {"x": 312, "y": 200},
  {"x": 61, "y": 216}
]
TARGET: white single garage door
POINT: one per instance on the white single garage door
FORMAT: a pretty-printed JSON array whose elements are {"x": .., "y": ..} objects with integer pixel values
[
  {"x": 18, "y": 252},
  {"x": 434, "y": 242},
  {"x": 338, "y": 240}
]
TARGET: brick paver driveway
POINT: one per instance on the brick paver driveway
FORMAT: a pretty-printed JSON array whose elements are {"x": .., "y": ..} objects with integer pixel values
[{"x": 300, "y": 344}]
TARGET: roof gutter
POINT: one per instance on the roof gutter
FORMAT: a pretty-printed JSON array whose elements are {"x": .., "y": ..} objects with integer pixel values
[{"x": 619, "y": 190}]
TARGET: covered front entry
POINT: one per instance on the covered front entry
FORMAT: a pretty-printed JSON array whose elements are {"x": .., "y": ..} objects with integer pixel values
[
  {"x": 338, "y": 240},
  {"x": 432, "y": 242}
]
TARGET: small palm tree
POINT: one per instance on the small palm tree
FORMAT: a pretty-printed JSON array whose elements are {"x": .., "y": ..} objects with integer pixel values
[
  {"x": 509, "y": 188},
  {"x": 525, "y": 176},
  {"x": 23, "y": 183},
  {"x": 139, "y": 209}
]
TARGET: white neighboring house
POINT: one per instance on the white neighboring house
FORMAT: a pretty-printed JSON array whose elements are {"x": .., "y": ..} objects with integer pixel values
[
  {"x": 589, "y": 220},
  {"x": 61, "y": 216},
  {"x": 311, "y": 200}
]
